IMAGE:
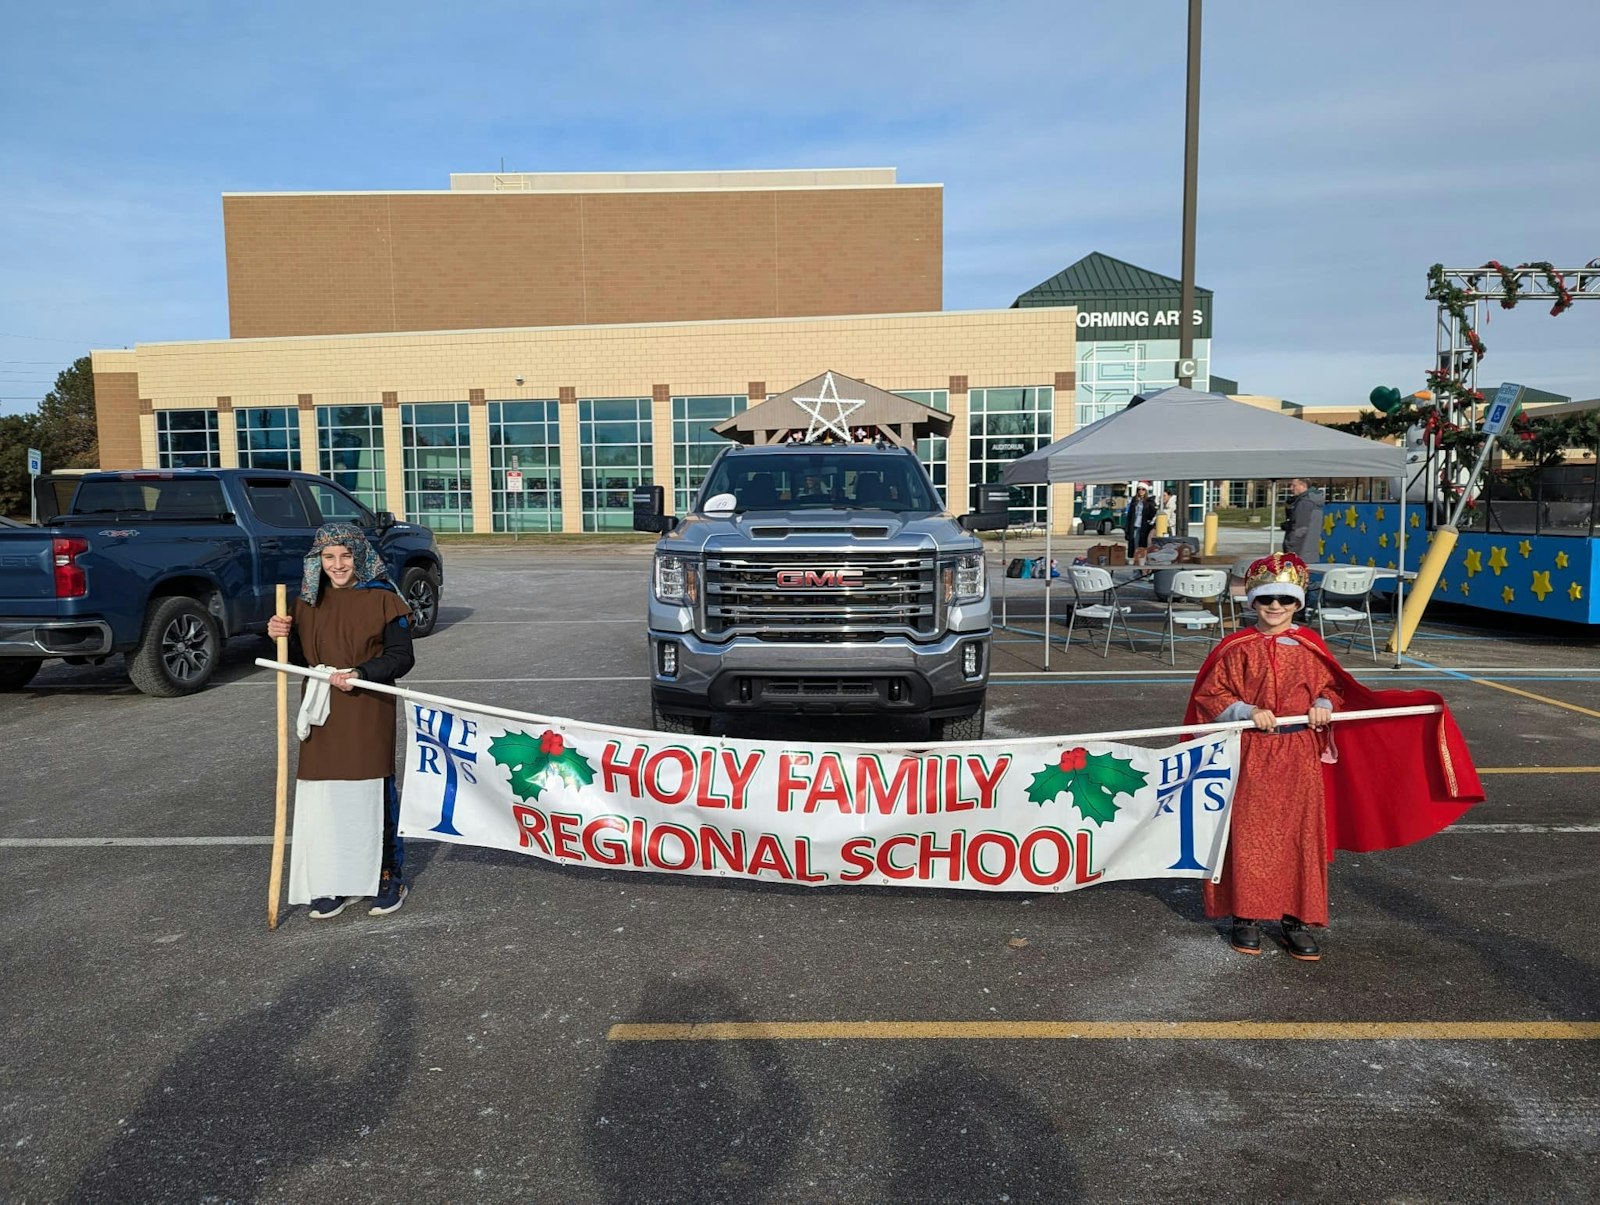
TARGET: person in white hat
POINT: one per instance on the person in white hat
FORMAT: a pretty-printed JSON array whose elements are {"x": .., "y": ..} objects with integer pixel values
[{"x": 1139, "y": 520}]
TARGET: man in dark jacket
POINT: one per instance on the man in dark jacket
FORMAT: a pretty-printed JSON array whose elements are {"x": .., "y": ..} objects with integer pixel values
[
  {"x": 1302, "y": 522},
  {"x": 1141, "y": 517}
]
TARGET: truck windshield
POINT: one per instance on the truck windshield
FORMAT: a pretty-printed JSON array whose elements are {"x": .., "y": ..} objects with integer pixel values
[
  {"x": 152, "y": 497},
  {"x": 819, "y": 480}
]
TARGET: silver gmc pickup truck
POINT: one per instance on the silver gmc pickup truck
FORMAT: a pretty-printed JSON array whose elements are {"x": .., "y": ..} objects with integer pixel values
[{"x": 817, "y": 579}]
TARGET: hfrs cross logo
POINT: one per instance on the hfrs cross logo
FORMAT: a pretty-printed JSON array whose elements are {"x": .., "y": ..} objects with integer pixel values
[{"x": 805, "y": 579}]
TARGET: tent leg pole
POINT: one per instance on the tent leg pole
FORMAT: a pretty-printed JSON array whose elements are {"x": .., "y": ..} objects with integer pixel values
[
  {"x": 1272, "y": 512},
  {"x": 1049, "y": 522}
]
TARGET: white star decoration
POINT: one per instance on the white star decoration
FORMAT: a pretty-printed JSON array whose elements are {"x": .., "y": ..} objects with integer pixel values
[{"x": 829, "y": 395}]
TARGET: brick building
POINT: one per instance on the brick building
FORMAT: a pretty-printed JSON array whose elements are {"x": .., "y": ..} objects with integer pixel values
[{"x": 514, "y": 353}]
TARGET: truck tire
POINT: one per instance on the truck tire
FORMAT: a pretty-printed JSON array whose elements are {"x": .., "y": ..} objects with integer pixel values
[
  {"x": 681, "y": 725},
  {"x": 179, "y": 649},
  {"x": 958, "y": 727},
  {"x": 419, "y": 586},
  {"x": 17, "y": 672}
]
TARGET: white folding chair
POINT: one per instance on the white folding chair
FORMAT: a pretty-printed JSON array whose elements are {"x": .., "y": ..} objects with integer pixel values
[
  {"x": 1237, "y": 588},
  {"x": 1345, "y": 600},
  {"x": 1091, "y": 582},
  {"x": 1192, "y": 588}
]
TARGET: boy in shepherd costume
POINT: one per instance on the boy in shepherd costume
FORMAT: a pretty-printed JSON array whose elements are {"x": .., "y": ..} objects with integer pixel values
[
  {"x": 1301, "y": 794},
  {"x": 348, "y": 618}
]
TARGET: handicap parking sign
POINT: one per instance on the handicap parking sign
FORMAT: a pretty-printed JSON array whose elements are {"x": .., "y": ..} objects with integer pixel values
[
  {"x": 35, "y": 462},
  {"x": 1501, "y": 409}
]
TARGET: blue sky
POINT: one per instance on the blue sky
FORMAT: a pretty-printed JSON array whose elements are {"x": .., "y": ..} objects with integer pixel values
[{"x": 1344, "y": 148}]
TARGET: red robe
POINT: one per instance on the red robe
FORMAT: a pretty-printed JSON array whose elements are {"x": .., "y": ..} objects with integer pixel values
[{"x": 1395, "y": 782}]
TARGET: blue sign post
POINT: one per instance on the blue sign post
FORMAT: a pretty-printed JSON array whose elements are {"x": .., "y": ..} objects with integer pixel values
[{"x": 35, "y": 467}]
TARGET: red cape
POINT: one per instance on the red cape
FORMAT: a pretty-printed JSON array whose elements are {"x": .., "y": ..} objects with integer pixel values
[{"x": 1397, "y": 780}]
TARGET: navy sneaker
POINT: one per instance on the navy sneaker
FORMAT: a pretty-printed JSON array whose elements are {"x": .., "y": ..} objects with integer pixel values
[
  {"x": 328, "y": 906},
  {"x": 391, "y": 894}
]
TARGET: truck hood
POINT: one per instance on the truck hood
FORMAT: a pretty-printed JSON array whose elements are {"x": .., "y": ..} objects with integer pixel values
[{"x": 810, "y": 529}]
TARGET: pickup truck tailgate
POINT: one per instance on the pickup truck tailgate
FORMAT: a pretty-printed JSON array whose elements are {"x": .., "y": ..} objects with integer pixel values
[{"x": 27, "y": 569}]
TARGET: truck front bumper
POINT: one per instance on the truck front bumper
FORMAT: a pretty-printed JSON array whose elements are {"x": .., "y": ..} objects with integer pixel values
[
  {"x": 54, "y": 637},
  {"x": 884, "y": 676}
]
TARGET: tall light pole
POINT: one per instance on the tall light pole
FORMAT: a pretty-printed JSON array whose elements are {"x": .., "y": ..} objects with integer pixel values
[{"x": 1191, "y": 167}]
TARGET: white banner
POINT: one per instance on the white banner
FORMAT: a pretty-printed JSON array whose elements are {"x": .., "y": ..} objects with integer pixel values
[{"x": 1032, "y": 815}]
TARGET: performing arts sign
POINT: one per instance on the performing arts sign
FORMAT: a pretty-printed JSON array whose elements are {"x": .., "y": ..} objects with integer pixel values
[{"x": 1034, "y": 815}]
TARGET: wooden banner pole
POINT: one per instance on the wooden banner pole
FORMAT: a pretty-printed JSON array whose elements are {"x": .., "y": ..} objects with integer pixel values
[{"x": 280, "y": 820}]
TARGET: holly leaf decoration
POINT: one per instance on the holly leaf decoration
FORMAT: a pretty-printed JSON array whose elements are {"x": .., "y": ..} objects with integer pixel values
[
  {"x": 519, "y": 753},
  {"x": 533, "y": 759},
  {"x": 1092, "y": 782}
]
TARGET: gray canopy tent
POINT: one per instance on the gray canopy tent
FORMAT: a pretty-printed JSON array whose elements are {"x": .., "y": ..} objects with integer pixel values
[{"x": 1184, "y": 435}]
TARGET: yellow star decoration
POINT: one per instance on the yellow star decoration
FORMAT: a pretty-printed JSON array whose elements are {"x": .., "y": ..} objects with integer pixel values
[
  {"x": 1497, "y": 559},
  {"x": 1466, "y": 588},
  {"x": 1327, "y": 525},
  {"x": 1372, "y": 562},
  {"x": 1378, "y": 514},
  {"x": 1344, "y": 550},
  {"x": 1541, "y": 583},
  {"x": 1363, "y": 527},
  {"x": 1526, "y": 549},
  {"x": 1350, "y": 517},
  {"x": 1388, "y": 564},
  {"x": 1429, "y": 540},
  {"x": 1561, "y": 560},
  {"x": 1444, "y": 586},
  {"x": 1383, "y": 539},
  {"x": 1508, "y": 595},
  {"x": 1574, "y": 591},
  {"x": 1322, "y": 547},
  {"x": 1474, "y": 562},
  {"x": 1416, "y": 520}
]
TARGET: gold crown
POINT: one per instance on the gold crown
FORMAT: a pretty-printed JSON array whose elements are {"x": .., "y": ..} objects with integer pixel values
[{"x": 1281, "y": 568}]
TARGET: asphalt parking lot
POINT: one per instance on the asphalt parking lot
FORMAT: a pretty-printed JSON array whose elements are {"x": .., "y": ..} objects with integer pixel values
[{"x": 161, "y": 1044}]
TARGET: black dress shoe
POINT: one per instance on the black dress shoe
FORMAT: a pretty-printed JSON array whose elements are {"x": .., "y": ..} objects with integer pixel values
[
  {"x": 1246, "y": 936},
  {"x": 1299, "y": 941}
]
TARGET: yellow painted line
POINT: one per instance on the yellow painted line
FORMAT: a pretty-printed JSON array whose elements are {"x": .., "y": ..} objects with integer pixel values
[
  {"x": 1528, "y": 694},
  {"x": 1539, "y": 769},
  {"x": 901, "y": 1031}
]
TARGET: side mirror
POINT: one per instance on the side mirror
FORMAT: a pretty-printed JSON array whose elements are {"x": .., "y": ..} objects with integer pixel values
[
  {"x": 384, "y": 520},
  {"x": 649, "y": 509}
]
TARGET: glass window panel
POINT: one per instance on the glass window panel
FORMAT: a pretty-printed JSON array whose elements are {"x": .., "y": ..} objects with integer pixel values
[
  {"x": 616, "y": 452},
  {"x": 350, "y": 451},
  {"x": 694, "y": 444},
  {"x": 525, "y": 439},
  {"x": 187, "y": 439}
]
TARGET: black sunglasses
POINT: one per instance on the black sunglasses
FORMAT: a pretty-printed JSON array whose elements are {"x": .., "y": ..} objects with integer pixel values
[{"x": 1281, "y": 600}]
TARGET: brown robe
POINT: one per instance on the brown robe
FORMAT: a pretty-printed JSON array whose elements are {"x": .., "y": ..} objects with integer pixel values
[{"x": 344, "y": 629}]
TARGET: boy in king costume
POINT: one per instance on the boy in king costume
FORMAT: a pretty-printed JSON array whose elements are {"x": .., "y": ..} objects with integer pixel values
[{"x": 1300, "y": 794}]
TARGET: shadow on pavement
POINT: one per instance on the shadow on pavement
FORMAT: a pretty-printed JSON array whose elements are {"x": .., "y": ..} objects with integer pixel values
[
  {"x": 1567, "y": 986},
  {"x": 692, "y": 1121},
  {"x": 963, "y": 1135},
  {"x": 270, "y": 1091}
]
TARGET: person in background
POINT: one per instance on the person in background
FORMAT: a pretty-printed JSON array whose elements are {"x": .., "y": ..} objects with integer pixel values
[
  {"x": 1302, "y": 522},
  {"x": 1139, "y": 520},
  {"x": 349, "y": 619},
  {"x": 1169, "y": 507}
]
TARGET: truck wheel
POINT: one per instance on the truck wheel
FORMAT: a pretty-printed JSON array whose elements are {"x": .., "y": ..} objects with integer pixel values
[
  {"x": 419, "y": 586},
  {"x": 958, "y": 727},
  {"x": 178, "y": 652},
  {"x": 682, "y": 725},
  {"x": 1105, "y": 527},
  {"x": 17, "y": 672}
]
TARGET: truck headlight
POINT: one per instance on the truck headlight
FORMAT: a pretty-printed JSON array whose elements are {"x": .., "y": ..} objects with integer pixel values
[
  {"x": 968, "y": 584},
  {"x": 677, "y": 579}
]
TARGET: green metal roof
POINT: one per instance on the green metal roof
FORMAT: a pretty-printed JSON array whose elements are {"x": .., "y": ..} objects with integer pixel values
[{"x": 1103, "y": 278}]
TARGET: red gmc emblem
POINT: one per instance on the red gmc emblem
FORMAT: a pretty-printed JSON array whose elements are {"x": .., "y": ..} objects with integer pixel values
[{"x": 841, "y": 579}]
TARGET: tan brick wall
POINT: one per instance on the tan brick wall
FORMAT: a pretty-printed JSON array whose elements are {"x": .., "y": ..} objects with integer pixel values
[
  {"x": 909, "y": 351},
  {"x": 366, "y": 262},
  {"x": 116, "y": 415}
]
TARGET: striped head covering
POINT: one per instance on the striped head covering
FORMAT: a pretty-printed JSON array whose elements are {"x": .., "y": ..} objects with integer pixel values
[{"x": 368, "y": 564}]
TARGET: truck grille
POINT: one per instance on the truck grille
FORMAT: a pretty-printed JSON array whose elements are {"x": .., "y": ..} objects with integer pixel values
[{"x": 779, "y": 596}]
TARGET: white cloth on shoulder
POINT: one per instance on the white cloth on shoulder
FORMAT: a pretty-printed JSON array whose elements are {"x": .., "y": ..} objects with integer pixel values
[
  {"x": 338, "y": 838},
  {"x": 315, "y": 702}
]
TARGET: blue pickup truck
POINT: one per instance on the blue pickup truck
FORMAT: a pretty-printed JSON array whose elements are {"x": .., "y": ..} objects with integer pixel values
[{"x": 162, "y": 566}]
